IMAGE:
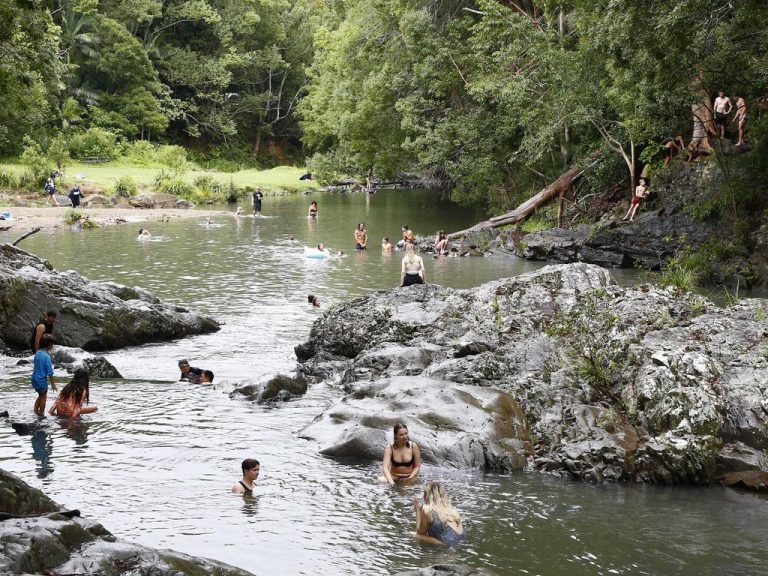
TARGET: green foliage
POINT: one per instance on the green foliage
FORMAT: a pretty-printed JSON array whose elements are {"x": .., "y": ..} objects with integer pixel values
[
  {"x": 125, "y": 187},
  {"x": 72, "y": 215},
  {"x": 95, "y": 143},
  {"x": 680, "y": 273},
  {"x": 37, "y": 162},
  {"x": 175, "y": 158},
  {"x": 536, "y": 224},
  {"x": 8, "y": 180},
  {"x": 176, "y": 186},
  {"x": 58, "y": 153}
]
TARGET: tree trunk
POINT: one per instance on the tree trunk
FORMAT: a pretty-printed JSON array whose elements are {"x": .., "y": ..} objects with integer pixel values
[
  {"x": 257, "y": 144},
  {"x": 528, "y": 207}
]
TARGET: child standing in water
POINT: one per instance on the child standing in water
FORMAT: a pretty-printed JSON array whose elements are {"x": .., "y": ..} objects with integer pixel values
[
  {"x": 73, "y": 395},
  {"x": 42, "y": 372}
]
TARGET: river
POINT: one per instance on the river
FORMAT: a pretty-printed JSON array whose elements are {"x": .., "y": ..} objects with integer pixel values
[{"x": 156, "y": 462}]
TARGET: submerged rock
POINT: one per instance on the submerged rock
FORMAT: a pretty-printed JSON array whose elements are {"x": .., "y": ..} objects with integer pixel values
[
  {"x": 42, "y": 541},
  {"x": 612, "y": 383},
  {"x": 277, "y": 389},
  {"x": 92, "y": 315}
]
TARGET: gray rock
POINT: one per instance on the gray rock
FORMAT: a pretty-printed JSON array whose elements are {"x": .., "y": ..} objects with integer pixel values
[
  {"x": 141, "y": 201},
  {"x": 613, "y": 383},
  {"x": 44, "y": 541},
  {"x": 454, "y": 425},
  {"x": 163, "y": 200},
  {"x": 92, "y": 315},
  {"x": 74, "y": 358},
  {"x": 277, "y": 389},
  {"x": 445, "y": 570}
]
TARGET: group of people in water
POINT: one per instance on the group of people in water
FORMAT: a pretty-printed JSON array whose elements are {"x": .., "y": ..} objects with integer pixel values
[{"x": 436, "y": 519}]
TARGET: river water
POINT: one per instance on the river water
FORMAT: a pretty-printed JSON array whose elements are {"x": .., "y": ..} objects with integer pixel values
[{"x": 156, "y": 462}]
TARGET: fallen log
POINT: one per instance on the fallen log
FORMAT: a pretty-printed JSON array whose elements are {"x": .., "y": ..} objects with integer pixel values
[
  {"x": 20, "y": 238},
  {"x": 522, "y": 212}
]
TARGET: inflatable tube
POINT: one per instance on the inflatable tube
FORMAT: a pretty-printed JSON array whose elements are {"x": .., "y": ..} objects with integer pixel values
[{"x": 315, "y": 253}]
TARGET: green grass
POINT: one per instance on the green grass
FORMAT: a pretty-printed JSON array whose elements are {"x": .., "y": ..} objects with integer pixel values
[{"x": 106, "y": 176}]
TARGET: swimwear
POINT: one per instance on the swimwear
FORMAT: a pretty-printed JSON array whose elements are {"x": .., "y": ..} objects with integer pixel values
[
  {"x": 721, "y": 118},
  {"x": 444, "y": 533},
  {"x": 48, "y": 330},
  {"x": 411, "y": 279},
  {"x": 69, "y": 407},
  {"x": 359, "y": 246},
  {"x": 192, "y": 376},
  {"x": 401, "y": 464},
  {"x": 248, "y": 491}
]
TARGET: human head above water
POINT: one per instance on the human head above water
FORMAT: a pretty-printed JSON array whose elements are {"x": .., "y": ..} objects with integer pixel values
[
  {"x": 401, "y": 433},
  {"x": 249, "y": 464},
  {"x": 206, "y": 377}
]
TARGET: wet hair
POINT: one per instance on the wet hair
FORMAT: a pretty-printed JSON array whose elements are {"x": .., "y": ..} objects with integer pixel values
[
  {"x": 208, "y": 374},
  {"x": 312, "y": 299},
  {"x": 79, "y": 387},
  {"x": 361, "y": 226},
  {"x": 400, "y": 426},
  {"x": 249, "y": 463},
  {"x": 436, "y": 501},
  {"x": 386, "y": 238},
  {"x": 51, "y": 314},
  {"x": 47, "y": 341}
]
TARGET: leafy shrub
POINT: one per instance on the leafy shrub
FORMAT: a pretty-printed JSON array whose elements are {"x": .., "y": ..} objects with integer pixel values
[
  {"x": 174, "y": 157},
  {"x": 125, "y": 187},
  {"x": 536, "y": 224},
  {"x": 72, "y": 215},
  {"x": 38, "y": 165},
  {"x": 206, "y": 188},
  {"x": 95, "y": 143},
  {"x": 177, "y": 187},
  {"x": 8, "y": 180},
  {"x": 141, "y": 153}
]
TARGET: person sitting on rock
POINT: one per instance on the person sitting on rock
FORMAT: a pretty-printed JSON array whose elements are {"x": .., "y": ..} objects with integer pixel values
[
  {"x": 189, "y": 373},
  {"x": 641, "y": 192},
  {"x": 408, "y": 236},
  {"x": 437, "y": 521},
  {"x": 402, "y": 459},
  {"x": 71, "y": 398},
  {"x": 412, "y": 269},
  {"x": 206, "y": 377},
  {"x": 247, "y": 485}
]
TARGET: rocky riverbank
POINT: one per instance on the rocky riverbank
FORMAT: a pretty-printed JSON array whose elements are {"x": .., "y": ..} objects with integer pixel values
[
  {"x": 559, "y": 370},
  {"x": 38, "y": 537},
  {"x": 92, "y": 315}
]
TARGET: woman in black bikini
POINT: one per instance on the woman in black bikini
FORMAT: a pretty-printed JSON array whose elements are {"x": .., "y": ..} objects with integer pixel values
[
  {"x": 246, "y": 486},
  {"x": 402, "y": 459}
]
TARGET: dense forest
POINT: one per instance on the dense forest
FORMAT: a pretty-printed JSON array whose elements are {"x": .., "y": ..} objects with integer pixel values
[{"x": 490, "y": 98}]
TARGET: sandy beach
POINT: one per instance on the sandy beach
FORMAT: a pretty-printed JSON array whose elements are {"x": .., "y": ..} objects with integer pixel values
[{"x": 24, "y": 219}]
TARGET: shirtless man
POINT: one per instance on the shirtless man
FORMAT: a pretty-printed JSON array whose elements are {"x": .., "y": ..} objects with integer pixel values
[
  {"x": 246, "y": 486},
  {"x": 641, "y": 192},
  {"x": 723, "y": 107},
  {"x": 741, "y": 118},
  {"x": 361, "y": 237},
  {"x": 671, "y": 147}
]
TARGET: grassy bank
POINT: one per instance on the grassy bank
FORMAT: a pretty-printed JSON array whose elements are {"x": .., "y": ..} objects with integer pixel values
[{"x": 105, "y": 176}]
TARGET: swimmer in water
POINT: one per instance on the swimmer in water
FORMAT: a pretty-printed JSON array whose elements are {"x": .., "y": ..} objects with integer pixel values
[
  {"x": 313, "y": 300},
  {"x": 247, "y": 485},
  {"x": 144, "y": 234}
]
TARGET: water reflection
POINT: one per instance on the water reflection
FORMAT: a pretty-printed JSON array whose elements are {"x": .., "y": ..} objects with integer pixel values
[
  {"x": 42, "y": 448},
  {"x": 250, "y": 505}
]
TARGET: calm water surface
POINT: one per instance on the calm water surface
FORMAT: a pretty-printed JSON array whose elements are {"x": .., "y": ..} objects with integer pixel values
[{"x": 156, "y": 462}]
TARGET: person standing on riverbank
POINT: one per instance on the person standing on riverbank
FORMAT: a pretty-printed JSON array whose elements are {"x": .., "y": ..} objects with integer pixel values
[
  {"x": 257, "y": 196},
  {"x": 50, "y": 189},
  {"x": 45, "y": 326},
  {"x": 247, "y": 484},
  {"x": 722, "y": 107},
  {"x": 42, "y": 373}
]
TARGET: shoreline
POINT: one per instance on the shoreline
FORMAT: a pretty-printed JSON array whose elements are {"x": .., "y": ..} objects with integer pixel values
[{"x": 51, "y": 218}]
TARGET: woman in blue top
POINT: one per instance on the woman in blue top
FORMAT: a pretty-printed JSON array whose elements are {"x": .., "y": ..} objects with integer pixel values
[
  {"x": 437, "y": 521},
  {"x": 42, "y": 373}
]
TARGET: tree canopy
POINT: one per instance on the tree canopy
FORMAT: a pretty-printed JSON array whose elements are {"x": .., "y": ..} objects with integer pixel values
[{"x": 489, "y": 97}]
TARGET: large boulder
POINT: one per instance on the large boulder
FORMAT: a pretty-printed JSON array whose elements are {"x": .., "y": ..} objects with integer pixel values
[
  {"x": 92, "y": 315},
  {"x": 454, "y": 425},
  {"x": 73, "y": 358},
  {"x": 164, "y": 200},
  {"x": 643, "y": 383},
  {"x": 46, "y": 540},
  {"x": 278, "y": 388}
]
